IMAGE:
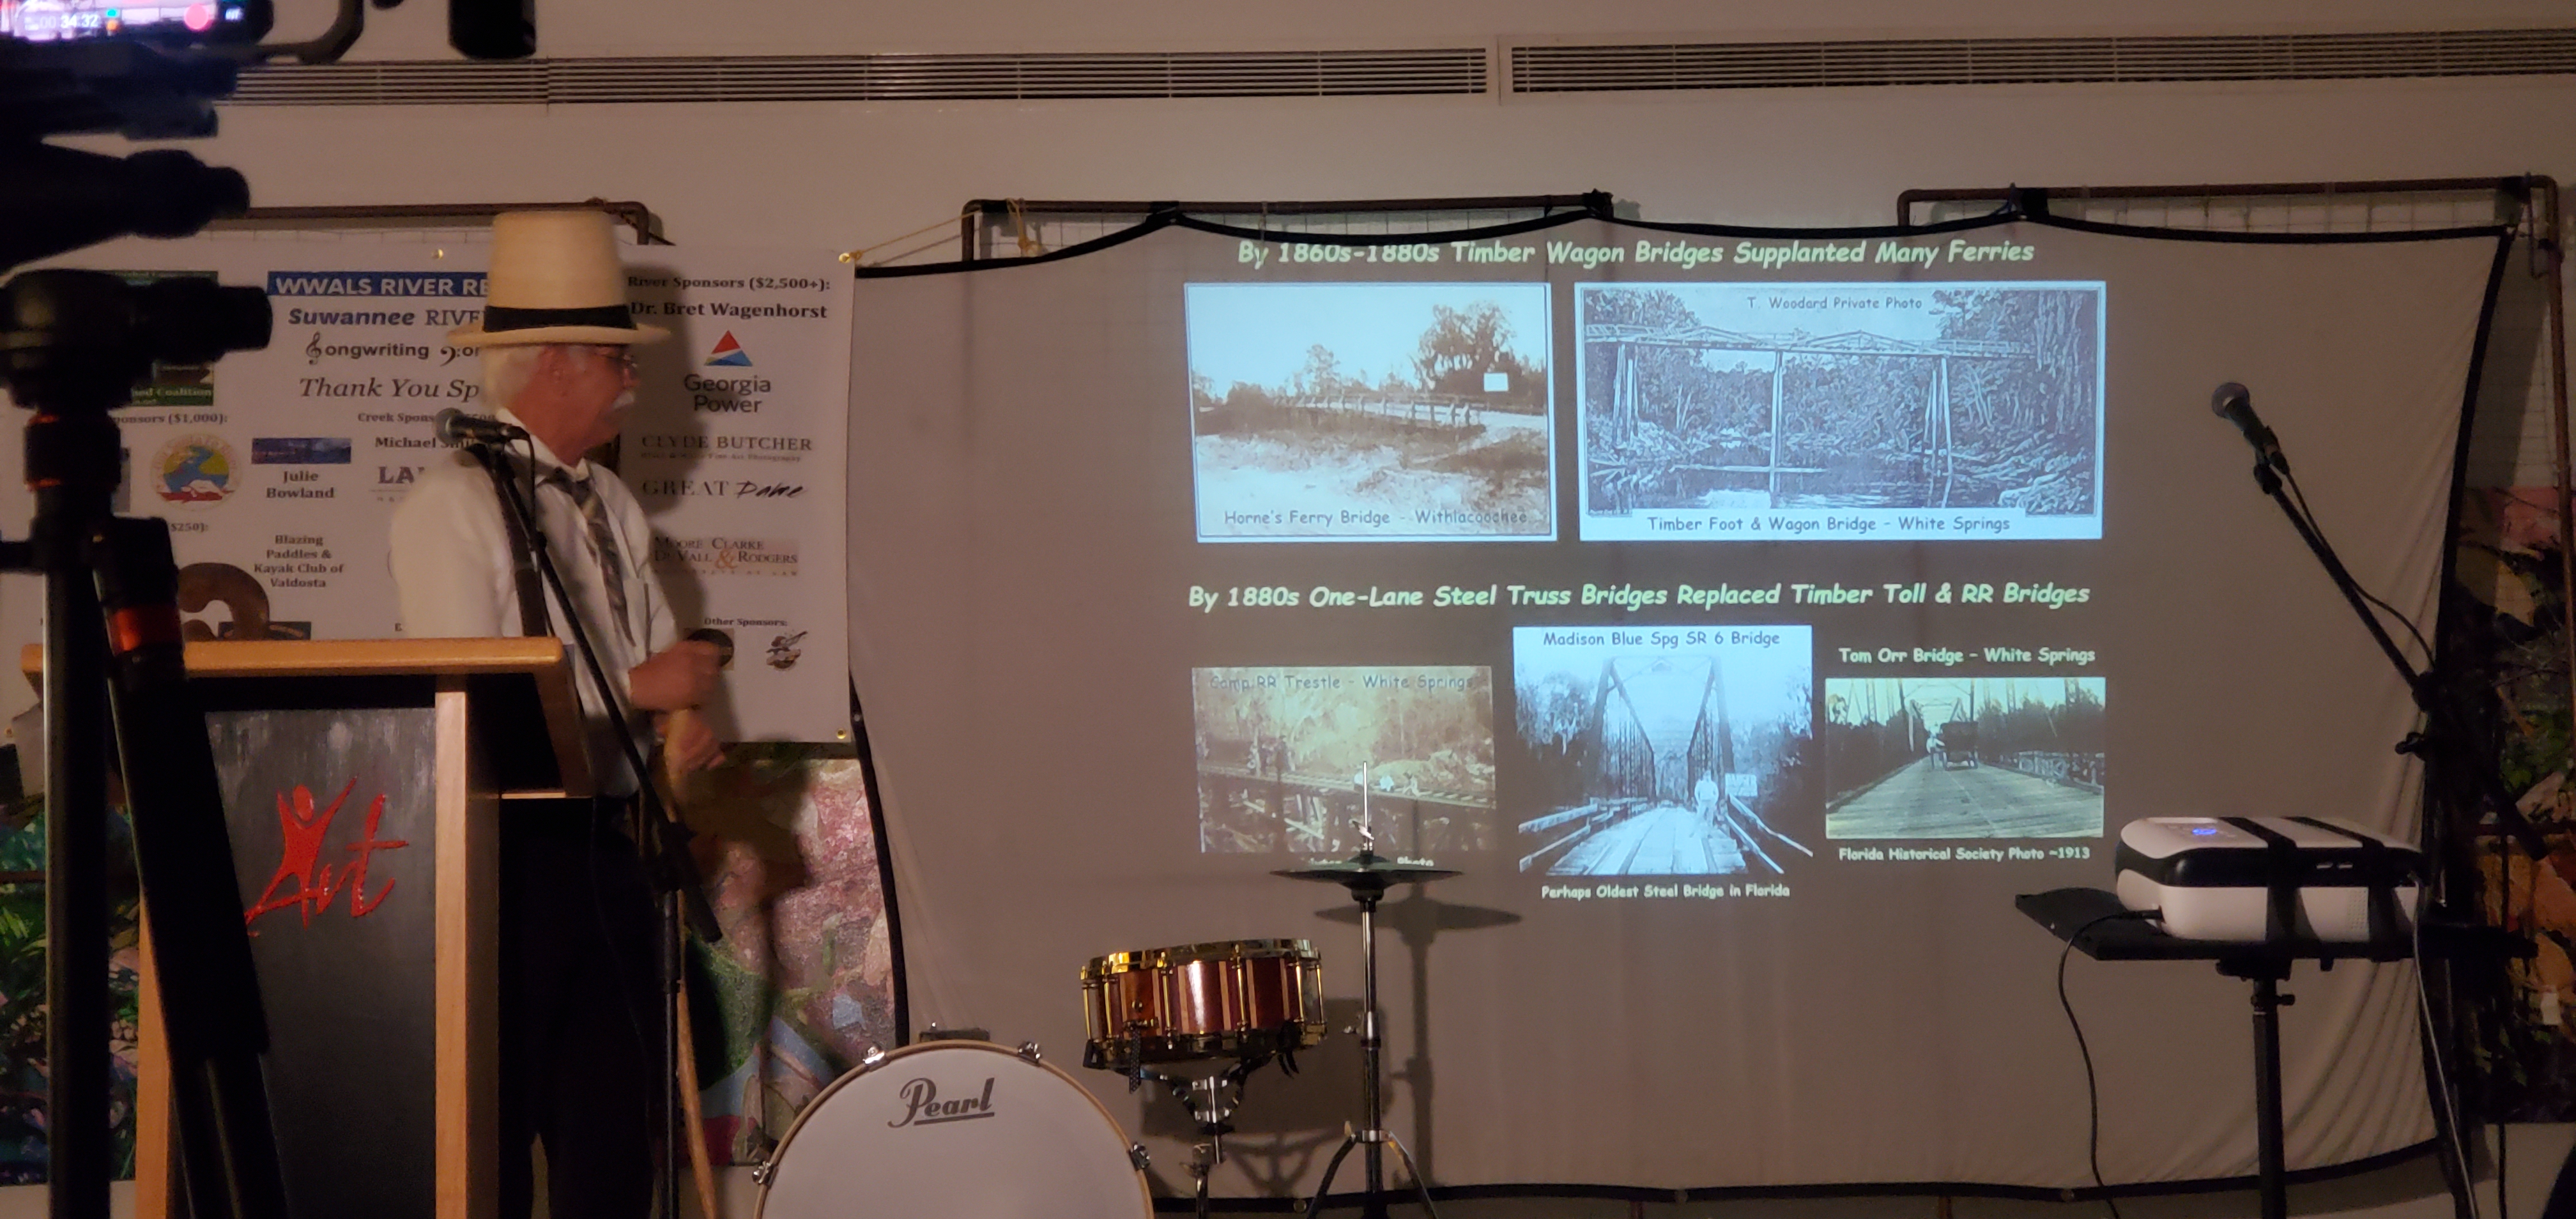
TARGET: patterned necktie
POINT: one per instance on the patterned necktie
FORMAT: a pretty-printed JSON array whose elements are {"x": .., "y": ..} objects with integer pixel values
[{"x": 612, "y": 565}]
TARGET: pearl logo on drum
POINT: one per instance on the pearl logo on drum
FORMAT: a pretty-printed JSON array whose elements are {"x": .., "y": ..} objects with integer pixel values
[{"x": 922, "y": 1106}]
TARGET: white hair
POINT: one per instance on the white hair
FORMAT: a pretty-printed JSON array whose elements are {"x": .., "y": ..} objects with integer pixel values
[{"x": 506, "y": 371}]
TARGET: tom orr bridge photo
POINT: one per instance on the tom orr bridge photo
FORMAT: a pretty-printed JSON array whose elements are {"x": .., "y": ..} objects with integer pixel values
[
  {"x": 1992, "y": 757},
  {"x": 1927, "y": 798}
]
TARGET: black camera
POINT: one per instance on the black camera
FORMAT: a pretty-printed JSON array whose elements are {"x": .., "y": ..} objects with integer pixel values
[
  {"x": 229, "y": 22},
  {"x": 145, "y": 71},
  {"x": 75, "y": 339},
  {"x": 74, "y": 344}
]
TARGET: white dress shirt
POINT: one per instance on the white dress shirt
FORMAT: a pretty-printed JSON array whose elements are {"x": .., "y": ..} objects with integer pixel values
[{"x": 453, "y": 574}]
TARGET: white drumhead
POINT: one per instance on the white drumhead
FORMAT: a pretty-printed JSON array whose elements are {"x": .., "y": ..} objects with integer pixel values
[{"x": 954, "y": 1128}]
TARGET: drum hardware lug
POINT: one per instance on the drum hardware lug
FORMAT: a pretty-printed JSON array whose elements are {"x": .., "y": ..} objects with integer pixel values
[
  {"x": 762, "y": 1172},
  {"x": 1136, "y": 1156},
  {"x": 875, "y": 1054},
  {"x": 1029, "y": 1050}
]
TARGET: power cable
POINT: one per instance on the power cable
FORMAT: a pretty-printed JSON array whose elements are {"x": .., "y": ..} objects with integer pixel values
[
  {"x": 2092, "y": 1092},
  {"x": 2366, "y": 594}
]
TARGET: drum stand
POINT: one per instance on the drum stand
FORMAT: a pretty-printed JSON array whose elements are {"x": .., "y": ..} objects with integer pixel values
[
  {"x": 1368, "y": 875},
  {"x": 1212, "y": 1101}
]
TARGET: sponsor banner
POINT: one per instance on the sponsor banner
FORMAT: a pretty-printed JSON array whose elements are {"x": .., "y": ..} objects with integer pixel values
[
  {"x": 279, "y": 470},
  {"x": 738, "y": 449},
  {"x": 302, "y": 451}
]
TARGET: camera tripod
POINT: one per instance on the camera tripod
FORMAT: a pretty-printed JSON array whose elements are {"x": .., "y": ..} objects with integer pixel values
[{"x": 72, "y": 344}]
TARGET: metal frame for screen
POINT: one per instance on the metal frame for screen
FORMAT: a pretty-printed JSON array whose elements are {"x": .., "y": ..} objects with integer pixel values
[
  {"x": 633, "y": 215},
  {"x": 2530, "y": 203},
  {"x": 2532, "y": 200},
  {"x": 982, "y": 219}
]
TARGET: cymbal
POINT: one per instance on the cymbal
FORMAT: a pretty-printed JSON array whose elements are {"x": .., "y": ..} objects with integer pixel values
[{"x": 1366, "y": 870}]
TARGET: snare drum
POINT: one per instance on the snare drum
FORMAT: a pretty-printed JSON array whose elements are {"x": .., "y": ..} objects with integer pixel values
[
  {"x": 1232, "y": 999},
  {"x": 954, "y": 1128}
]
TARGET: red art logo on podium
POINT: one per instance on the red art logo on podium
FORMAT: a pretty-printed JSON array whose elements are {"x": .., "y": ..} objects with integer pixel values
[{"x": 317, "y": 885}]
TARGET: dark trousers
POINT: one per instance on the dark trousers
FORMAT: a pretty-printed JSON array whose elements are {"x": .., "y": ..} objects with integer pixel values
[{"x": 580, "y": 1014}]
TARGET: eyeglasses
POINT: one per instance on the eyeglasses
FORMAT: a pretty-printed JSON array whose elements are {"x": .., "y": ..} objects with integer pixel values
[{"x": 621, "y": 356}]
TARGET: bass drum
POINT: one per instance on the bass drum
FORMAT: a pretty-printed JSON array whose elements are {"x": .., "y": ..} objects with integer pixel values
[{"x": 954, "y": 1128}]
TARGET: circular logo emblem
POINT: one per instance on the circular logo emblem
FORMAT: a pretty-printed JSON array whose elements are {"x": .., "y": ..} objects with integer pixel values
[{"x": 194, "y": 470}]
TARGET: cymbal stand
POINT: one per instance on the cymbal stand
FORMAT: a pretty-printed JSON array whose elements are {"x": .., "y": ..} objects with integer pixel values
[{"x": 1368, "y": 889}]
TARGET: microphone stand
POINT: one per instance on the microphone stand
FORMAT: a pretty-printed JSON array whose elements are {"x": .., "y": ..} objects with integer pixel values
[
  {"x": 2436, "y": 742},
  {"x": 2444, "y": 746},
  {"x": 674, "y": 871}
]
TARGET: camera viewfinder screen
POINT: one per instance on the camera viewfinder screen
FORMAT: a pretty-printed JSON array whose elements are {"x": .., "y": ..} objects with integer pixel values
[{"x": 70, "y": 20}]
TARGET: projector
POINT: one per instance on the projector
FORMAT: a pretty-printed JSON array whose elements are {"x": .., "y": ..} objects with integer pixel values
[{"x": 2212, "y": 877}]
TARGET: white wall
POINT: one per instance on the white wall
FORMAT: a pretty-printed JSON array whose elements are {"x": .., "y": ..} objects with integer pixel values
[
  {"x": 843, "y": 175},
  {"x": 807, "y": 27},
  {"x": 846, "y": 174}
]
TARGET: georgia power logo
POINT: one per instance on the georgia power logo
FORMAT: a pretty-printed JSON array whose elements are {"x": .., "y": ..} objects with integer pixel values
[
  {"x": 195, "y": 470},
  {"x": 728, "y": 354}
]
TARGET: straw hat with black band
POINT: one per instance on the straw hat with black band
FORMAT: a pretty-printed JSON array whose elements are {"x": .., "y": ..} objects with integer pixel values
[{"x": 555, "y": 278}]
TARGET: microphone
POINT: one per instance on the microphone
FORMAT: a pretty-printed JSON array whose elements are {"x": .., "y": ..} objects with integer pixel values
[
  {"x": 456, "y": 427},
  {"x": 2235, "y": 404}
]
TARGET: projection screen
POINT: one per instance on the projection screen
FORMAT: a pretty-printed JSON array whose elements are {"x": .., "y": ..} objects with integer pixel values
[{"x": 1749, "y": 615}]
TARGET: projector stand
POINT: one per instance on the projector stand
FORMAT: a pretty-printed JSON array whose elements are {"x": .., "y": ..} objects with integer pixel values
[
  {"x": 2271, "y": 1162},
  {"x": 2093, "y": 921}
]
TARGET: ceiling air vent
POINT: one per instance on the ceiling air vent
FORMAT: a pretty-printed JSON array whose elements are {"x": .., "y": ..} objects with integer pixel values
[
  {"x": 870, "y": 78},
  {"x": 426, "y": 83},
  {"x": 2005, "y": 61}
]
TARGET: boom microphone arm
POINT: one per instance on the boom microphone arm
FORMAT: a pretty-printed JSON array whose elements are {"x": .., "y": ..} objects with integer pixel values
[{"x": 2440, "y": 743}]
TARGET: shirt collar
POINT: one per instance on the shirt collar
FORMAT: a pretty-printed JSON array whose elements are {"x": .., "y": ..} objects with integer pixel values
[{"x": 546, "y": 459}]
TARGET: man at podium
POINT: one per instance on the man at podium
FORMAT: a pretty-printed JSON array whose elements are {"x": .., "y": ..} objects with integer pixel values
[{"x": 580, "y": 1010}]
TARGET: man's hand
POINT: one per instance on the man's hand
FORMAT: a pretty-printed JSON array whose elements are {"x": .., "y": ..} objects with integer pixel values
[
  {"x": 688, "y": 744},
  {"x": 679, "y": 677}
]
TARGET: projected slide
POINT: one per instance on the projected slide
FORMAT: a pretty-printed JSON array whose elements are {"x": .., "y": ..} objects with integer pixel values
[
  {"x": 1858, "y": 411},
  {"x": 1663, "y": 751},
  {"x": 1753, "y": 671},
  {"x": 1993, "y": 757},
  {"x": 1294, "y": 759},
  {"x": 1371, "y": 412}
]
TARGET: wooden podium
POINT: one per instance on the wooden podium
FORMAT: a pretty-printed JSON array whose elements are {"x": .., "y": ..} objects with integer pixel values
[{"x": 361, "y": 784}]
